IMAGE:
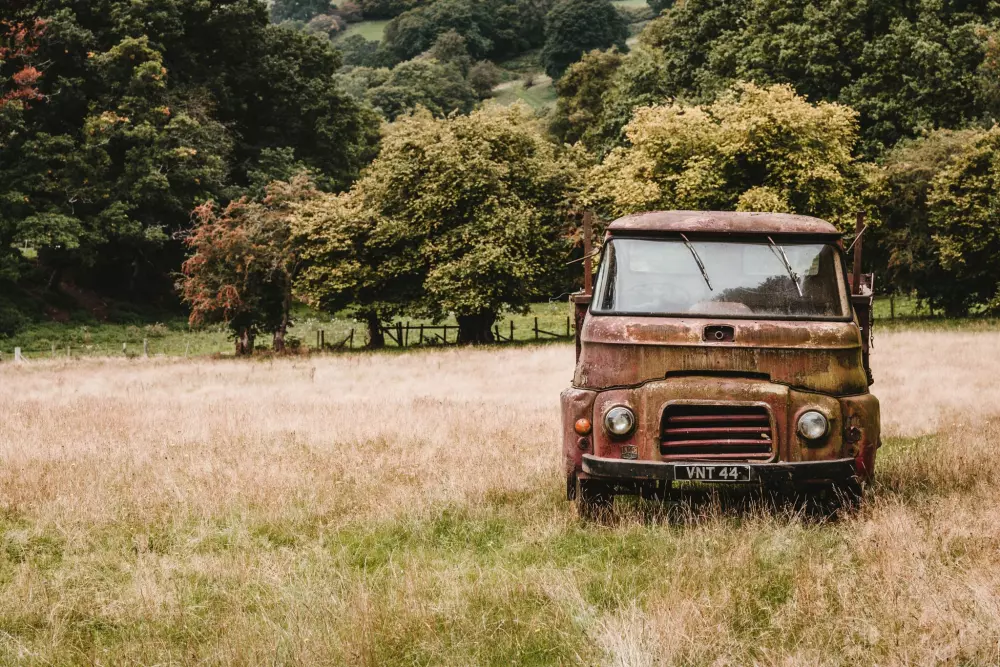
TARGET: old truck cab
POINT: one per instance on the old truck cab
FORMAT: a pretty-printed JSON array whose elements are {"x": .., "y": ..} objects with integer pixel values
[{"x": 720, "y": 347}]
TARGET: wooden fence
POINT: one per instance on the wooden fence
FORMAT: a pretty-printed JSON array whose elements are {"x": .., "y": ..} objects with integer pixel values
[{"x": 402, "y": 334}]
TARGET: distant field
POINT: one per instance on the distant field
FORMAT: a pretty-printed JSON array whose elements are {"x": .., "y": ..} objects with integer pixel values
[
  {"x": 408, "y": 509},
  {"x": 540, "y": 95},
  {"x": 370, "y": 30}
]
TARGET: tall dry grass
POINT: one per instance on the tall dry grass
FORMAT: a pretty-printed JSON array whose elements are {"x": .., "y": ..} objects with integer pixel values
[{"x": 401, "y": 509}]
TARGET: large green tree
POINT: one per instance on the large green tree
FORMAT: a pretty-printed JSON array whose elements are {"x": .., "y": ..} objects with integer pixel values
[
  {"x": 754, "y": 149},
  {"x": 467, "y": 212},
  {"x": 905, "y": 67},
  {"x": 574, "y": 27},
  {"x": 903, "y": 237},
  {"x": 937, "y": 202},
  {"x": 163, "y": 104}
]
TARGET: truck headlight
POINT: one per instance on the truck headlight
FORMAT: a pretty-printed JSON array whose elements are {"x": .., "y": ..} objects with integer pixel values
[
  {"x": 813, "y": 425},
  {"x": 620, "y": 421}
]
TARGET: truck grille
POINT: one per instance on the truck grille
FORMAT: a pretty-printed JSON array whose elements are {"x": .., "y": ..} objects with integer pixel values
[{"x": 716, "y": 432}]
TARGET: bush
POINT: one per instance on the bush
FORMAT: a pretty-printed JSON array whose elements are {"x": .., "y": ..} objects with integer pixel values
[
  {"x": 12, "y": 319},
  {"x": 484, "y": 77}
]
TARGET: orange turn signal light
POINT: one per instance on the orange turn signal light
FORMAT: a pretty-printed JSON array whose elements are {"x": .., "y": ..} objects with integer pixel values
[{"x": 582, "y": 426}]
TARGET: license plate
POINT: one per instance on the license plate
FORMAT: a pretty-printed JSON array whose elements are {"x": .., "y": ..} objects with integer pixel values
[{"x": 712, "y": 473}]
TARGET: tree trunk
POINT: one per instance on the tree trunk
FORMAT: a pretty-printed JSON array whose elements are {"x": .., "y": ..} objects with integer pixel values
[
  {"x": 376, "y": 339},
  {"x": 476, "y": 329},
  {"x": 279, "y": 335},
  {"x": 54, "y": 279},
  {"x": 244, "y": 343}
]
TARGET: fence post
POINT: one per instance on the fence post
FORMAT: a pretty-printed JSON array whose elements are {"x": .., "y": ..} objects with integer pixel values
[
  {"x": 892, "y": 306},
  {"x": 317, "y": 339},
  {"x": 536, "y": 328},
  {"x": 322, "y": 339},
  {"x": 18, "y": 359},
  {"x": 125, "y": 349},
  {"x": 446, "y": 334},
  {"x": 399, "y": 334},
  {"x": 145, "y": 348},
  {"x": 512, "y": 331},
  {"x": 421, "y": 335},
  {"x": 567, "y": 326},
  {"x": 406, "y": 340},
  {"x": 350, "y": 345}
]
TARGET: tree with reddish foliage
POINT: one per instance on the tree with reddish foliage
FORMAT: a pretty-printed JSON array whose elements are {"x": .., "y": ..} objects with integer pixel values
[
  {"x": 18, "y": 42},
  {"x": 243, "y": 264},
  {"x": 18, "y": 75}
]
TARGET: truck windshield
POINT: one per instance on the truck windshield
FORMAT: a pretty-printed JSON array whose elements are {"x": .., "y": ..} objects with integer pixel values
[{"x": 693, "y": 277}]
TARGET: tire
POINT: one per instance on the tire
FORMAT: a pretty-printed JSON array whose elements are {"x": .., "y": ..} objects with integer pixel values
[{"x": 593, "y": 499}]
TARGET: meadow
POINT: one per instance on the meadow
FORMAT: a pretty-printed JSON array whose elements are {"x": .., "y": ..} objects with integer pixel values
[{"x": 384, "y": 509}]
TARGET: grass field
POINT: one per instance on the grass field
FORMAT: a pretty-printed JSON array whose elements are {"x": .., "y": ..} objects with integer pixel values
[
  {"x": 408, "y": 509},
  {"x": 540, "y": 95},
  {"x": 370, "y": 30}
]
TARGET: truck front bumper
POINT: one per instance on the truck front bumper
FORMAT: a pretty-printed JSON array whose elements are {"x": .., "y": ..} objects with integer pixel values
[{"x": 836, "y": 470}]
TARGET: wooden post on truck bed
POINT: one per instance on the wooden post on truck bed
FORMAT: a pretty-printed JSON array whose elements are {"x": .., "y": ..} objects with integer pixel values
[
  {"x": 859, "y": 228},
  {"x": 588, "y": 264}
]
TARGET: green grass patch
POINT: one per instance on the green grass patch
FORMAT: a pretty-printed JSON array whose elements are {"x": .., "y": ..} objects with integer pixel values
[
  {"x": 540, "y": 95},
  {"x": 373, "y": 31}
]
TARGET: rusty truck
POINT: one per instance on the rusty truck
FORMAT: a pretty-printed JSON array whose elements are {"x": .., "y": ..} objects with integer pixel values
[{"x": 723, "y": 348}]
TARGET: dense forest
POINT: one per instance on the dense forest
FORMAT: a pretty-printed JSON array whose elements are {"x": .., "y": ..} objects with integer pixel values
[{"x": 232, "y": 156}]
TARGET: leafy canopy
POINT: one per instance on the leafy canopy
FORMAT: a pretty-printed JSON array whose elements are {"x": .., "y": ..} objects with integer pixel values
[
  {"x": 163, "y": 105},
  {"x": 756, "y": 148},
  {"x": 462, "y": 215},
  {"x": 574, "y": 27}
]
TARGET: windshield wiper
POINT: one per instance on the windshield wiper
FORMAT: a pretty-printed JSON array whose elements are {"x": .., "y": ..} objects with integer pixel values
[
  {"x": 701, "y": 265},
  {"x": 778, "y": 250}
]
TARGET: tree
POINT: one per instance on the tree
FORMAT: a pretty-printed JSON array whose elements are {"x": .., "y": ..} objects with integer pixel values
[
  {"x": 423, "y": 82},
  {"x": 905, "y": 67},
  {"x": 484, "y": 77},
  {"x": 450, "y": 48},
  {"x": 581, "y": 97},
  {"x": 19, "y": 78},
  {"x": 348, "y": 264},
  {"x": 574, "y": 27},
  {"x": 903, "y": 236},
  {"x": 492, "y": 29},
  {"x": 462, "y": 215},
  {"x": 243, "y": 265},
  {"x": 299, "y": 10},
  {"x": 962, "y": 206},
  {"x": 356, "y": 51},
  {"x": 18, "y": 75},
  {"x": 163, "y": 105},
  {"x": 753, "y": 149}
]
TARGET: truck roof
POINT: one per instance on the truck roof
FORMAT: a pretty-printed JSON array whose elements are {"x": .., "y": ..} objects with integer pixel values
[{"x": 722, "y": 222}]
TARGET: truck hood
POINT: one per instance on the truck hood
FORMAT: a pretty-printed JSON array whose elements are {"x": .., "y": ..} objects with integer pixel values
[{"x": 620, "y": 351}]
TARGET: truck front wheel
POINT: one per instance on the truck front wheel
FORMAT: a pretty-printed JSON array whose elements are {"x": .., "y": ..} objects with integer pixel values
[{"x": 593, "y": 499}]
